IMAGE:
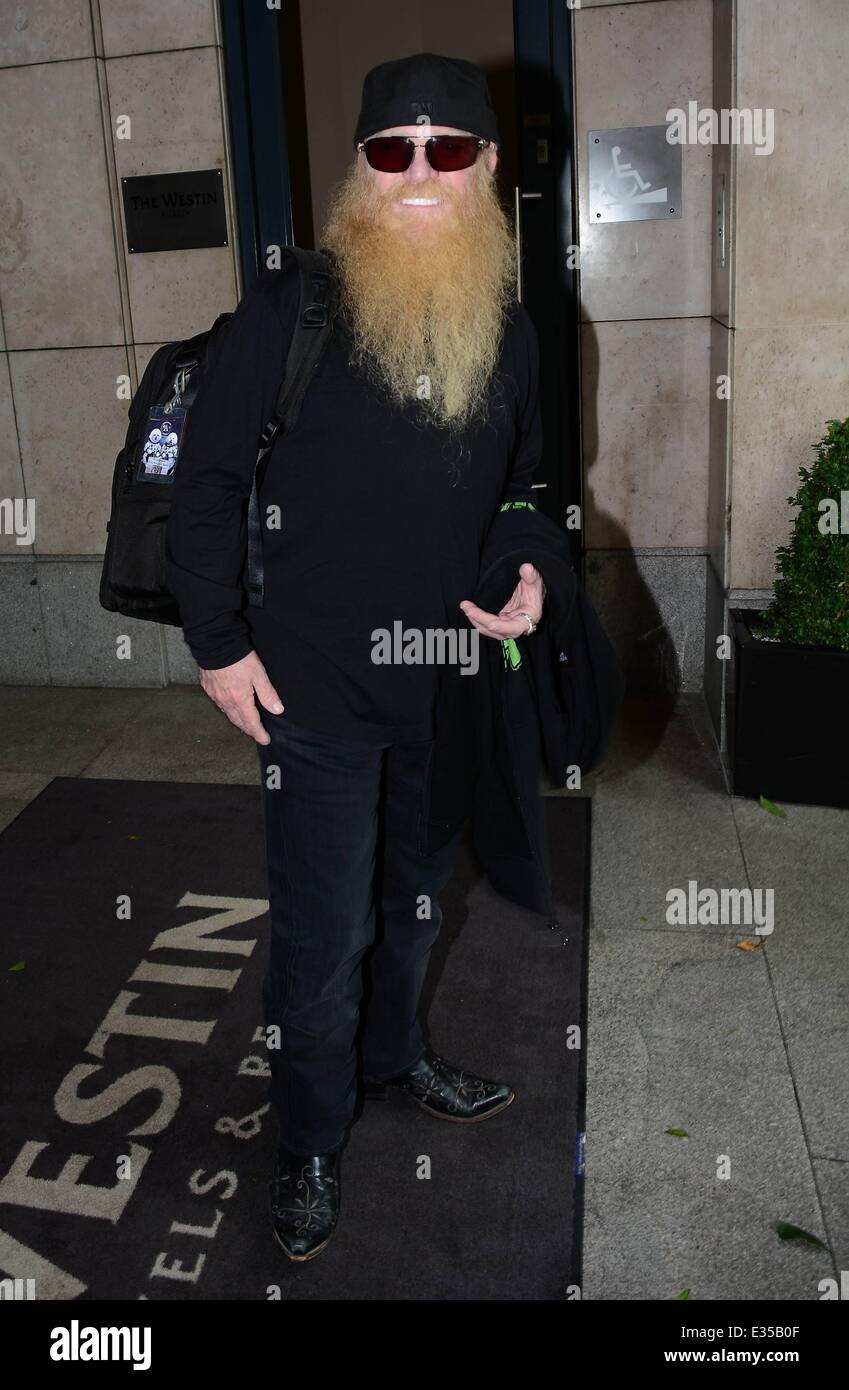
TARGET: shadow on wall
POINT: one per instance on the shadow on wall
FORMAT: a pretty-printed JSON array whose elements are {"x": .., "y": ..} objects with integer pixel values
[{"x": 647, "y": 649}]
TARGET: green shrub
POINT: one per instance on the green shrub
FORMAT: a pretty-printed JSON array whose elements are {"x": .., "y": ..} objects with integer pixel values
[{"x": 810, "y": 606}]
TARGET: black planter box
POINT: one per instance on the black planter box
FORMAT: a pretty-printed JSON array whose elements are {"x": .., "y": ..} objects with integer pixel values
[{"x": 788, "y": 719}]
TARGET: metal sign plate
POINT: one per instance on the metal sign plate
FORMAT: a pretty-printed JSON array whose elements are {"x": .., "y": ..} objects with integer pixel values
[
  {"x": 175, "y": 212},
  {"x": 635, "y": 174}
]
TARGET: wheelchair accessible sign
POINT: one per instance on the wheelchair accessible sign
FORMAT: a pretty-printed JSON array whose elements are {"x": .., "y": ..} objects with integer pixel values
[{"x": 635, "y": 174}]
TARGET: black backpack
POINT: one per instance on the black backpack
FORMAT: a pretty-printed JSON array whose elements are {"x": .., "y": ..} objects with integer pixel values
[{"x": 132, "y": 580}]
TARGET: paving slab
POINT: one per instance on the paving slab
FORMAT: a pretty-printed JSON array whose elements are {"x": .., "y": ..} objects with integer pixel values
[
  {"x": 179, "y": 735},
  {"x": 804, "y": 858},
  {"x": 683, "y": 1033},
  {"x": 661, "y": 818},
  {"x": 58, "y": 730},
  {"x": 833, "y": 1182}
]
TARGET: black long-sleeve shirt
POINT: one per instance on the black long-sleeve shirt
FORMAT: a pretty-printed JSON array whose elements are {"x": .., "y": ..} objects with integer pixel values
[{"x": 382, "y": 517}]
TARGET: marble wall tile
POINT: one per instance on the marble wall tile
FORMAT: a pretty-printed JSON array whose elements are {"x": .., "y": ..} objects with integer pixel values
[
  {"x": 633, "y": 63},
  {"x": 792, "y": 282},
  {"x": 653, "y": 610},
  {"x": 793, "y": 204},
  {"x": 82, "y": 638},
  {"x": 23, "y": 651},
  {"x": 43, "y": 31},
  {"x": 72, "y": 425},
  {"x": 70, "y": 303},
  {"x": 156, "y": 26},
  {"x": 143, "y": 353},
  {"x": 176, "y": 123},
  {"x": 789, "y": 380},
  {"x": 11, "y": 477},
  {"x": 60, "y": 286},
  {"x": 645, "y": 429}
]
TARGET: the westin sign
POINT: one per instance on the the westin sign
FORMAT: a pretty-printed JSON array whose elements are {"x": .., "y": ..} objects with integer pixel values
[{"x": 175, "y": 212}]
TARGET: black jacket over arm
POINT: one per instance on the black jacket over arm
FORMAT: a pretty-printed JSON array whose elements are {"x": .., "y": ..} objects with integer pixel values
[{"x": 495, "y": 733}]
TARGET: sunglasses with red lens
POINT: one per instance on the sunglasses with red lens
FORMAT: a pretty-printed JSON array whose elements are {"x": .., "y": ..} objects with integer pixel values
[{"x": 393, "y": 154}]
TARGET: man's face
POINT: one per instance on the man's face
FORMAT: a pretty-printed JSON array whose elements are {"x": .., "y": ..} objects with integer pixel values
[
  {"x": 422, "y": 196},
  {"x": 427, "y": 266}
]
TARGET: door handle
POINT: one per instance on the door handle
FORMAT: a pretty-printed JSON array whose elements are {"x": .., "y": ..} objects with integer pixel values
[{"x": 518, "y": 195}]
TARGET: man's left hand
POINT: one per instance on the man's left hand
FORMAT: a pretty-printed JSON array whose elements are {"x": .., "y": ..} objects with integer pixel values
[{"x": 527, "y": 598}]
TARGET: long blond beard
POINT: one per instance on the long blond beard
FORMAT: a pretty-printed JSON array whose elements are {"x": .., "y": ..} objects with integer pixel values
[{"x": 425, "y": 304}]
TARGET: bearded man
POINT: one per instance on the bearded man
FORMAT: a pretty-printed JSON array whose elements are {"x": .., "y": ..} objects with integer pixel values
[{"x": 420, "y": 423}]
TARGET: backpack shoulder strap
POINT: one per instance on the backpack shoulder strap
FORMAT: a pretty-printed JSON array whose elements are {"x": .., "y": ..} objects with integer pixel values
[
  {"x": 318, "y": 293},
  {"x": 313, "y": 324}
]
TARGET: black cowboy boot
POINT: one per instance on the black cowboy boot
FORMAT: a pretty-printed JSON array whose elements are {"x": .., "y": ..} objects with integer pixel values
[
  {"x": 304, "y": 1201},
  {"x": 445, "y": 1090}
]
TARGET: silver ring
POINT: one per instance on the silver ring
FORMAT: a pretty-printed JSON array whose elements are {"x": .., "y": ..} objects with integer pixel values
[{"x": 532, "y": 627}]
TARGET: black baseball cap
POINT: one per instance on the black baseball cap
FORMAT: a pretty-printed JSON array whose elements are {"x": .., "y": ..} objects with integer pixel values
[{"x": 426, "y": 86}]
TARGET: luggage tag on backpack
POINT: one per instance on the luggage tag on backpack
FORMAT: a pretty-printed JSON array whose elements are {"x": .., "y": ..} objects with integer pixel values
[{"x": 163, "y": 437}]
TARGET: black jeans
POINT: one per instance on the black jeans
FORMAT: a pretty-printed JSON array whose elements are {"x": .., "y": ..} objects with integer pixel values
[{"x": 345, "y": 874}]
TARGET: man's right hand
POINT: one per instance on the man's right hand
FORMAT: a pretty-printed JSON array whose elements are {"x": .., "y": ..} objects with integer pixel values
[{"x": 232, "y": 688}]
